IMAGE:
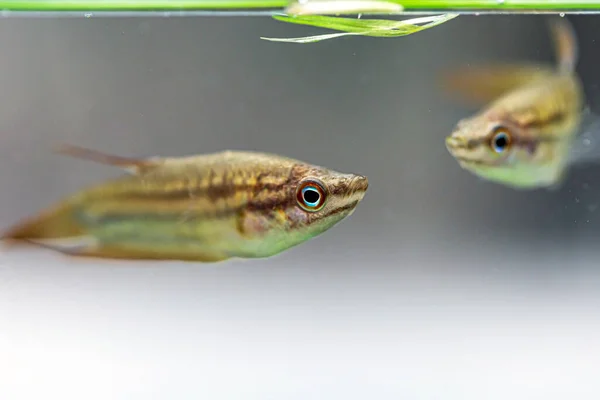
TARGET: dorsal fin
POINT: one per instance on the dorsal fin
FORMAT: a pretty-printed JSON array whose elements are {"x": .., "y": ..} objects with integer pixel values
[
  {"x": 565, "y": 44},
  {"x": 481, "y": 84},
  {"x": 137, "y": 166}
]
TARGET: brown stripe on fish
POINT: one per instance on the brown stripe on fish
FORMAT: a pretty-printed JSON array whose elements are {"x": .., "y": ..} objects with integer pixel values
[
  {"x": 214, "y": 202},
  {"x": 530, "y": 118},
  {"x": 208, "y": 187},
  {"x": 516, "y": 141},
  {"x": 199, "y": 207},
  {"x": 213, "y": 193},
  {"x": 266, "y": 206},
  {"x": 113, "y": 212},
  {"x": 341, "y": 209},
  {"x": 208, "y": 202}
]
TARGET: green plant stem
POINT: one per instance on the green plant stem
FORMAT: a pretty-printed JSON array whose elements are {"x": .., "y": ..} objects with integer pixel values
[{"x": 190, "y": 5}]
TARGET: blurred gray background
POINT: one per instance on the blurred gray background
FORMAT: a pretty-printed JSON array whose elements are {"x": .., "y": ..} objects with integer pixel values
[{"x": 440, "y": 286}]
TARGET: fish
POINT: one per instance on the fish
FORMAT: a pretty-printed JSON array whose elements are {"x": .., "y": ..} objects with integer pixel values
[
  {"x": 534, "y": 123},
  {"x": 197, "y": 208}
]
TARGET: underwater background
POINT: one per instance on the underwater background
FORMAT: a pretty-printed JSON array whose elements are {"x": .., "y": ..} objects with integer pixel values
[{"x": 439, "y": 286}]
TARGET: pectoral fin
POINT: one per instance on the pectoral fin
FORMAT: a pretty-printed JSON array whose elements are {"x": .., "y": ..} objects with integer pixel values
[
  {"x": 137, "y": 166},
  {"x": 250, "y": 225},
  {"x": 90, "y": 247},
  {"x": 481, "y": 84}
]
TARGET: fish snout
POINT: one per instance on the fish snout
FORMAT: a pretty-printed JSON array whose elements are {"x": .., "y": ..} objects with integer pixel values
[
  {"x": 356, "y": 187},
  {"x": 453, "y": 143},
  {"x": 359, "y": 183},
  {"x": 362, "y": 183}
]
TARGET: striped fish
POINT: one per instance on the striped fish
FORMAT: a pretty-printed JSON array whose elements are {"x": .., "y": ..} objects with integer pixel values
[
  {"x": 204, "y": 208},
  {"x": 532, "y": 129}
]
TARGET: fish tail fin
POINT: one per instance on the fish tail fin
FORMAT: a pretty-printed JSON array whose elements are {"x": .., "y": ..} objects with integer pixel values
[
  {"x": 56, "y": 223},
  {"x": 565, "y": 44}
]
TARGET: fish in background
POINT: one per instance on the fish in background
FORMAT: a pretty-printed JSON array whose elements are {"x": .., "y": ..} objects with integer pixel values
[
  {"x": 204, "y": 208},
  {"x": 535, "y": 125}
]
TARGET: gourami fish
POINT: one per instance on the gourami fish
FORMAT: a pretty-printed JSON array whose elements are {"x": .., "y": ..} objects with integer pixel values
[
  {"x": 203, "y": 208},
  {"x": 532, "y": 130}
]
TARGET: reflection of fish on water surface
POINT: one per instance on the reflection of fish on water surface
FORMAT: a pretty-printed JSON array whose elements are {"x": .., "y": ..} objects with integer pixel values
[
  {"x": 535, "y": 126},
  {"x": 199, "y": 208}
]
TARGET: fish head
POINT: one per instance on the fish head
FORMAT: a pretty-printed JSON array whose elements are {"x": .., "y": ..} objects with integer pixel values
[
  {"x": 497, "y": 149},
  {"x": 313, "y": 200},
  {"x": 324, "y": 197}
]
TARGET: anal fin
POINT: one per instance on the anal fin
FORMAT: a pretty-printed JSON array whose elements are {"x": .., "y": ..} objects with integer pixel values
[
  {"x": 117, "y": 252},
  {"x": 90, "y": 247},
  {"x": 67, "y": 245}
]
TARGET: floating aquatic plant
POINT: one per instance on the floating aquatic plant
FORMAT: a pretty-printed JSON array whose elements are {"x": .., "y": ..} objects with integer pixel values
[
  {"x": 200, "y": 5},
  {"x": 310, "y": 12},
  {"x": 361, "y": 27},
  {"x": 229, "y": 5}
]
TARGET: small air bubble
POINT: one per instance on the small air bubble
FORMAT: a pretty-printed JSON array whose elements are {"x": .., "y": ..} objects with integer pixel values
[
  {"x": 359, "y": 15},
  {"x": 562, "y": 14},
  {"x": 88, "y": 15}
]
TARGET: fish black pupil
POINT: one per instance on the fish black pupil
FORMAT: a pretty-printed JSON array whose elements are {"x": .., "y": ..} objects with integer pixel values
[
  {"x": 501, "y": 141},
  {"x": 311, "y": 196}
]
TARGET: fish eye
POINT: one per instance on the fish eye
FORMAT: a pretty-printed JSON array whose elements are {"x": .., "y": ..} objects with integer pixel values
[
  {"x": 500, "y": 140},
  {"x": 311, "y": 195}
]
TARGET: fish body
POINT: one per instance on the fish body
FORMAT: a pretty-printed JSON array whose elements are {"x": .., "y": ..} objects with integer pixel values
[
  {"x": 523, "y": 137},
  {"x": 204, "y": 208}
]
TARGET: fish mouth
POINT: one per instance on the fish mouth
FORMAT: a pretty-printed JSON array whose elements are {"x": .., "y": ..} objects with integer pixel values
[
  {"x": 453, "y": 143},
  {"x": 457, "y": 149},
  {"x": 359, "y": 183},
  {"x": 357, "y": 189}
]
